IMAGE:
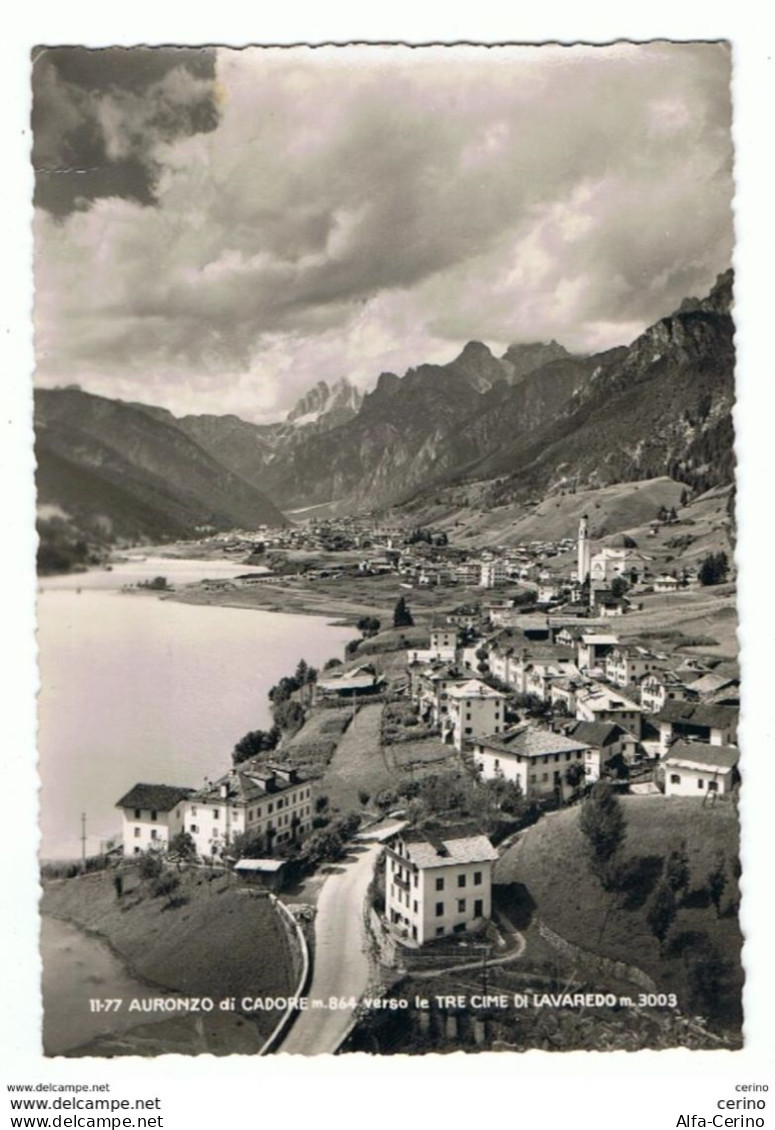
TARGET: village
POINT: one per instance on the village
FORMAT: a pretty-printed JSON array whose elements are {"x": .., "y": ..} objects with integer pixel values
[{"x": 446, "y": 739}]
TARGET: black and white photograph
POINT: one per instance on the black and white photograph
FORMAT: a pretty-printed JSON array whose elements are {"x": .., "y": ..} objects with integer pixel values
[{"x": 386, "y": 508}]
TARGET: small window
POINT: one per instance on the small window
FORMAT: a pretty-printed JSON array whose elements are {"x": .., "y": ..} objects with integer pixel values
[
  {"x": 712, "y": 786},
  {"x": 439, "y": 884},
  {"x": 477, "y": 878},
  {"x": 414, "y": 906},
  {"x": 461, "y": 880},
  {"x": 154, "y": 833},
  {"x": 439, "y": 909},
  {"x": 194, "y": 828},
  {"x": 461, "y": 906},
  {"x": 497, "y": 763},
  {"x": 138, "y": 814},
  {"x": 153, "y": 814},
  {"x": 469, "y": 729},
  {"x": 439, "y": 931},
  {"x": 700, "y": 783},
  {"x": 675, "y": 779},
  {"x": 216, "y": 813},
  {"x": 137, "y": 833},
  {"x": 193, "y": 810}
]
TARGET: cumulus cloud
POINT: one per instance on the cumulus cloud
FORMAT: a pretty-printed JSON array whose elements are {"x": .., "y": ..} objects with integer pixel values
[{"x": 354, "y": 210}]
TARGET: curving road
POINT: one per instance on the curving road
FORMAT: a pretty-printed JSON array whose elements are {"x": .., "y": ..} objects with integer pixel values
[{"x": 341, "y": 966}]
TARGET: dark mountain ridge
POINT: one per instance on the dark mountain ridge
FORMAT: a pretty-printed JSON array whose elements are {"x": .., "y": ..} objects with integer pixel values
[{"x": 130, "y": 471}]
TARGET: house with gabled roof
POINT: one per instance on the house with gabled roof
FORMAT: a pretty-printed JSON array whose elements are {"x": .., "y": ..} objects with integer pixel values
[
  {"x": 699, "y": 769},
  {"x": 606, "y": 740},
  {"x": 152, "y": 815},
  {"x": 474, "y": 709},
  {"x": 272, "y": 802},
  {"x": 698, "y": 721},
  {"x": 535, "y": 758},
  {"x": 438, "y": 881},
  {"x": 592, "y": 649},
  {"x": 600, "y": 703},
  {"x": 661, "y": 687}
]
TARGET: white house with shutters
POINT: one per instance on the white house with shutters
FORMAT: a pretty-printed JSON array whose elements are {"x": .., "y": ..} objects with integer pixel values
[
  {"x": 536, "y": 759},
  {"x": 474, "y": 709},
  {"x": 438, "y": 882},
  {"x": 700, "y": 770},
  {"x": 152, "y": 815}
]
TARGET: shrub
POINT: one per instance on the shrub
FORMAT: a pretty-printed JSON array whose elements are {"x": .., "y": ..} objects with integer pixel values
[
  {"x": 165, "y": 886},
  {"x": 149, "y": 866}
]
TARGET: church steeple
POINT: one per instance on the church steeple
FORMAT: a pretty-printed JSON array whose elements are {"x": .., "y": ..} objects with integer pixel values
[{"x": 584, "y": 553}]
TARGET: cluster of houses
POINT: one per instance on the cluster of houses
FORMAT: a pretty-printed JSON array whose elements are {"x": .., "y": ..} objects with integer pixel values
[
  {"x": 270, "y": 803},
  {"x": 601, "y": 702}
]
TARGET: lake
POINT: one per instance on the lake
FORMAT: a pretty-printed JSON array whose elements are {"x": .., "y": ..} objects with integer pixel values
[
  {"x": 137, "y": 688},
  {"x": 77, "y": 967}
]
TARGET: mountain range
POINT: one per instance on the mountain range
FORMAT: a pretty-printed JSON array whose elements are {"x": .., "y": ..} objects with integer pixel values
[{"x": 535, "y": 420}]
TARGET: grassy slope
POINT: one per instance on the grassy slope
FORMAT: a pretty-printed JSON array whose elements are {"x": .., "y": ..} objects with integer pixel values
[
  {"x": 358, "y": 762},
  {"x": 551, "y": 862},
  {"x": 219, "y": 942}
]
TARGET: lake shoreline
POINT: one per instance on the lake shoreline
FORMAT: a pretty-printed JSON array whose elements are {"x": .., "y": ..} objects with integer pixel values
[{"x": 133, "y": 932}]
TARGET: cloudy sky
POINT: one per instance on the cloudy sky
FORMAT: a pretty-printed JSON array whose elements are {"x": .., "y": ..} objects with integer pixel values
[{"x": 215, "y": 231}]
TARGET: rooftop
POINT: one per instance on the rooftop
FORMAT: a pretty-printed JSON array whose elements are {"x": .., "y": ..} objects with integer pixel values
[
  {"x": 701, "y": 755},
  {"x": 445, "y": 847},
  {"x": 595, "y": 733},
  {"x": 474, "y": 688},
  {"x": 698, "y": 714},
  {"x": 160, "y": 798},
  {"x": 530, "y": 741}
]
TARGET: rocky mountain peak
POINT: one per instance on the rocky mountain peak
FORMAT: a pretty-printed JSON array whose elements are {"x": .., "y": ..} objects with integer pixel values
[{"x": 337, "y": 403}]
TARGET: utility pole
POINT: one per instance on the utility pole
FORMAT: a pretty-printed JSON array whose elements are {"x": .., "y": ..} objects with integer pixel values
[{"x": 83, "y": 842}]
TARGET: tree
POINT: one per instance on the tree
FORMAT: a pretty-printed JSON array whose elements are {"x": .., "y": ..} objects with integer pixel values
[
  {"x": 149, "y": 865},
  {"x": 661, "y": 914},
  {"x": 288, "y": 715},
  {"x": 248, "y": 845},
  {"x": 574, "y": 774},
  {"x": 402, "y": 617},
  {"x": 618, "y": 587},
  {"x": 677, "y": 870},
  {"x": 717, "y": 883},
  {"x": 182, "y": 845},
  {"x": 604, "y": 827},
  {"x": 364, "y": 797},
  {"x": 331, "y": 663},
  {"x": 255, "y": 742},
  {"x": 368, "y": 626},
  {"x": 714, "y": 569}
]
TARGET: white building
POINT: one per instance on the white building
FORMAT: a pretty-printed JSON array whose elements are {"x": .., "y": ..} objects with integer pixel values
[
  {"x": 492, "y": 572},
  {"x": 592, "y": 649},
  {"x": 665, "y": 583},
  {"x": 699, "y": 721},
  {"x": 443, "y": 637},
  {"x": 537, "y": 760},
  {"x": 697, "y": 769},
  {"x": 474, "y": 709},
  {"x": 271, "y": 802},
  {"x": 606, "y": 740},
  {"x": 659, "y": 688},
  {"x": 152, "y": 815},
  {"x": 625, "y": 665},
  {"x": 599, "y": 703},
  {"x": 438, "y": 883}
]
